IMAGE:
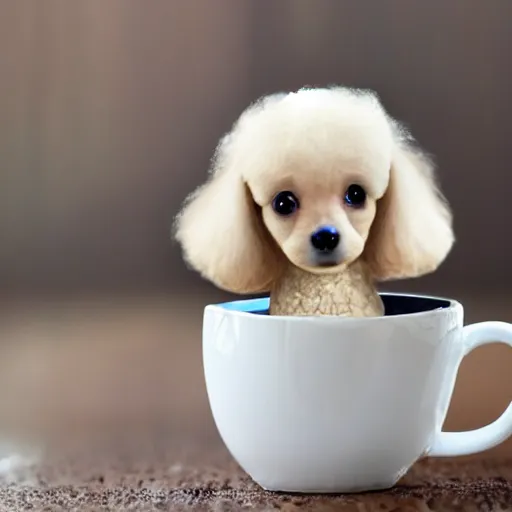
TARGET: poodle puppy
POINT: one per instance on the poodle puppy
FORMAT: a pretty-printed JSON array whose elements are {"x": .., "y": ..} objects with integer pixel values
[{"x": 314, "y": 196}]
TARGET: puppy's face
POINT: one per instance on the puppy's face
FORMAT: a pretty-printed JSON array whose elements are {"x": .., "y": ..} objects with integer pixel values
[
  {"x": 321, "y": 229},
  {"x": 333, "y": 175},
  {"x": 319, "y": 191}
]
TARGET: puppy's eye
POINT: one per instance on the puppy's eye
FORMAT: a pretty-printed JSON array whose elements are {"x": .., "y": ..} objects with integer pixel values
[
  {"x": 285, "y": 203},
  {"x": 355, "y": 196}
]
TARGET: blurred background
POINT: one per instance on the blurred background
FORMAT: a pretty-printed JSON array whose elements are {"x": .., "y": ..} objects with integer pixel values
[{"x": 109, "y": 115}]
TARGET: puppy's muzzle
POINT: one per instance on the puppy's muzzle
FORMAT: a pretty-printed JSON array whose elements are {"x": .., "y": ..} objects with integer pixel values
[{"x": 325, "y": 240}]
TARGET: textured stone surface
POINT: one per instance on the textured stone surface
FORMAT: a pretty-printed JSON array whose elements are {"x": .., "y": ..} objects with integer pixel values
[
  {"x": 196, "y": 472},
  {"x": 349, "y": 293}
]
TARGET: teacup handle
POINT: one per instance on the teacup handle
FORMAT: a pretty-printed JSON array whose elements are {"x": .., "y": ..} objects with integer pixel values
[{"x": 451, "y": 444}]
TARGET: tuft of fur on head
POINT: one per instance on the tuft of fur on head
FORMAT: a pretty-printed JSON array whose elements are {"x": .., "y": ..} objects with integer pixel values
[{"x": 316, "y": 141}]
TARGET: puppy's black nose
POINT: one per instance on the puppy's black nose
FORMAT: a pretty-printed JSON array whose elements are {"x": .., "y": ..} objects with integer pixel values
[{"x": 326, "y": 239}]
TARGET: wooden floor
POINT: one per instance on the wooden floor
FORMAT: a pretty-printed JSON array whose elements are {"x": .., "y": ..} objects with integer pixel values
[{"x": 114, "y": 388}]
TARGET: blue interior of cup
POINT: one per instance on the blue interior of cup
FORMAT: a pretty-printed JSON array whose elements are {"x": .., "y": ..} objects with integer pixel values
[{"x": 393, "y": 304}]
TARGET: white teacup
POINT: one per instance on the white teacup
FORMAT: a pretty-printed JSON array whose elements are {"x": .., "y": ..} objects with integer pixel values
[{"x": 330, "y": 404}]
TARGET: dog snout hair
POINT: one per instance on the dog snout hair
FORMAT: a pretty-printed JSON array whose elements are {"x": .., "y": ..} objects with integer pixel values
[{"x": 325, "y": 239}]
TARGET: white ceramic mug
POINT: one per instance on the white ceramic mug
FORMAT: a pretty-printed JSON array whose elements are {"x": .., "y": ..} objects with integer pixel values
[{"x": 329, "y": 404}]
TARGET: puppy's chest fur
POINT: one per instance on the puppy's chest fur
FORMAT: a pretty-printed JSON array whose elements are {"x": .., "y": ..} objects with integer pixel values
[{"x": 348, "y": 293}]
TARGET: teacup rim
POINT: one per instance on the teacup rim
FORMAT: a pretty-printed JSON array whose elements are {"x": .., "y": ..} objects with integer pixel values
[{"x": 249, "y": 310}]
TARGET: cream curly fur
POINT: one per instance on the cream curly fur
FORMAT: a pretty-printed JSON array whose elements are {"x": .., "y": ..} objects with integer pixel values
[{"x": 316, "y": 142}]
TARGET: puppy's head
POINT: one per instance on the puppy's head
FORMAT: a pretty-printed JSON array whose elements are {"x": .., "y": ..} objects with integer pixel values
[{"x": 318, "y": 178}]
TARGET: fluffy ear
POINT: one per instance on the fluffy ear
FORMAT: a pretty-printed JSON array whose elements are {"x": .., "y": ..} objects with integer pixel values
[
  {"x": 412, "y": 232},
  {"x": 222, "y": 234}
]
